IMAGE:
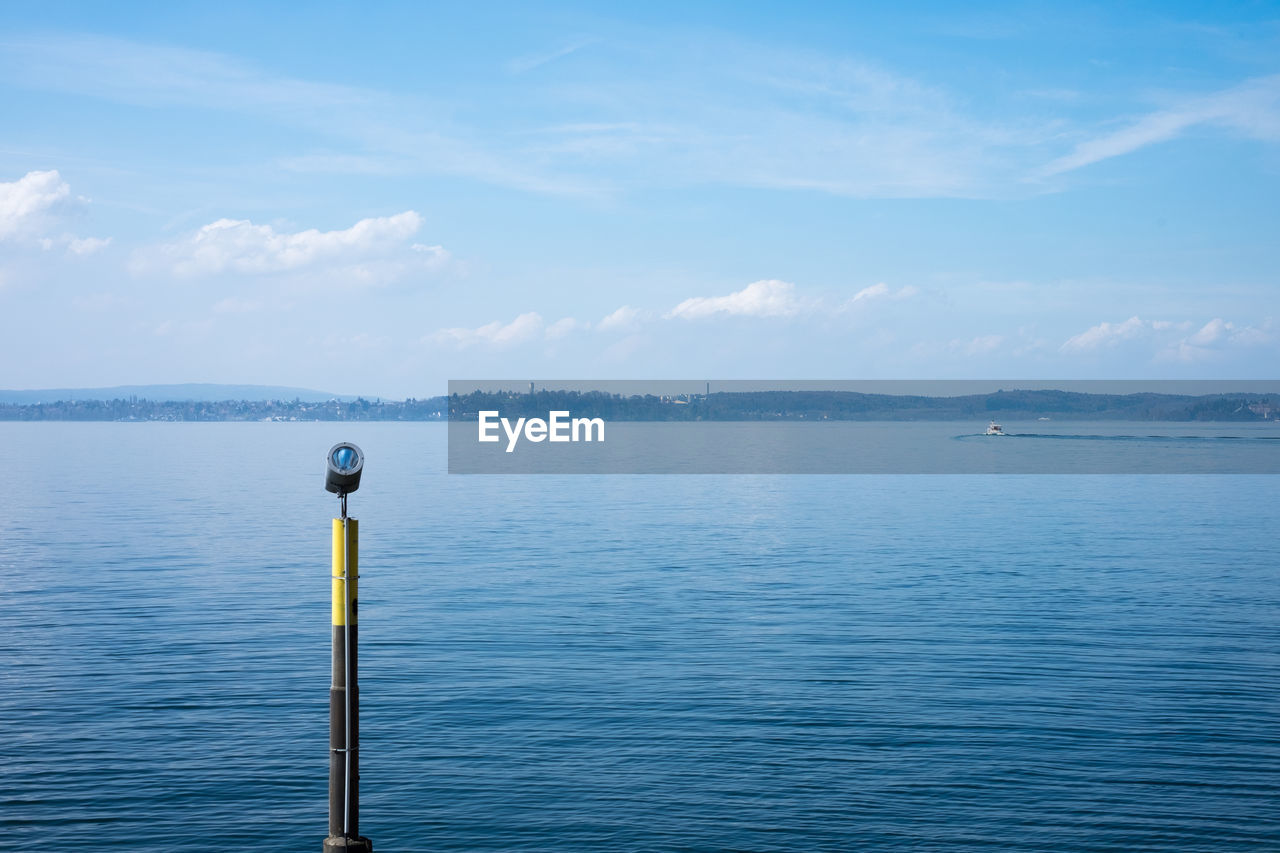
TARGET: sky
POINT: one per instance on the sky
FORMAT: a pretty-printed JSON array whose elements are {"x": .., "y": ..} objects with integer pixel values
[{"x": 376, "y": 198}]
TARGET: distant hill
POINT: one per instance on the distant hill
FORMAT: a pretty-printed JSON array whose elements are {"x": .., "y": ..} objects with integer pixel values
[
  {"x": 855, "y": 406},
  {"x": 265, "y": 403},
  {"x": 198, "y": 392}
]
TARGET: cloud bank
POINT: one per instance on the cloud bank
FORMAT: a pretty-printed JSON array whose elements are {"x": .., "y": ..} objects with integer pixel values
[
  {"x": 767, "y": 298},
  {"x": 240, "y": 246},
  {"x": 1170, "y": 341}
]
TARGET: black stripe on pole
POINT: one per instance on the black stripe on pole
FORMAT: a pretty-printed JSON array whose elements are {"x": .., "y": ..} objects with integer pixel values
[{"x": 344, "y": 700}]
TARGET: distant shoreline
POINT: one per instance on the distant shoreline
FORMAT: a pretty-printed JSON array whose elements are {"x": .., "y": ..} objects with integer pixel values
[{"x": 802, "y": 406}]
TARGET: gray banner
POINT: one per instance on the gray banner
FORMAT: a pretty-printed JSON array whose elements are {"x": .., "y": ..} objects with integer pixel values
[{"x": 864, "y": 427}]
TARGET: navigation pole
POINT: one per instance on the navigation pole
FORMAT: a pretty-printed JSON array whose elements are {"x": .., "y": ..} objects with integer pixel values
[{"x": 342, "y": 476}]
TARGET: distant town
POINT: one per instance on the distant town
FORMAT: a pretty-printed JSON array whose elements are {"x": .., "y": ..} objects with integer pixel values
[
  {"x": 136, "y": 408},
  {"x": 1013, "y": 405}
]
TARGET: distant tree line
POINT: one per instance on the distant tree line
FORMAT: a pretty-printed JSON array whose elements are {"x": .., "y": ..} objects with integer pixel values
[
  {"x": 729, "y": 406},
  {"x": 849, "y": 405}
]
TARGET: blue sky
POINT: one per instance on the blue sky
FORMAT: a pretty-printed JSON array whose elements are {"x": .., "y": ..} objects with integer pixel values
[{"x": 375, "y": 200}]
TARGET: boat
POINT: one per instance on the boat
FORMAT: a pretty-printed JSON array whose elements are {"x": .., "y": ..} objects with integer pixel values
[{"x": 995, "y": 429}]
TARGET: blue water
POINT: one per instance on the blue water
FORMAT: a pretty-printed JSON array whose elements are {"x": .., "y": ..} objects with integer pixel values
[
  {"x": 882, "y": 447},
  {"x": 629, "y": 663}
]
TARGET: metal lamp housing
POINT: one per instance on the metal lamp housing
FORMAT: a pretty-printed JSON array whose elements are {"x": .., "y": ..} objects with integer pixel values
[{"x": 343, "y": 466}]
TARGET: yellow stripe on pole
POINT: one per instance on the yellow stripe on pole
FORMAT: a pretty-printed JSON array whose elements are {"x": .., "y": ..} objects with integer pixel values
[{"x": 344, "y": 567}]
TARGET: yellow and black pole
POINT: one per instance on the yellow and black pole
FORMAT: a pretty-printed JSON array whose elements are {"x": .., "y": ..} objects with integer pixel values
[{"x": 342, "y": 476}]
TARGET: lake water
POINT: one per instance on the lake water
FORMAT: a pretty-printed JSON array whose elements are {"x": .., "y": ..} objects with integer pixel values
[
  {"x": 590, "y": 663},
  {"x": 874, "y": 447}
]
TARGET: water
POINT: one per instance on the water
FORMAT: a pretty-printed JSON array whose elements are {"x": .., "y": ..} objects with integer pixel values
[
  {"x": 628, "y": 662},
  {"x": 879, "y": 447}
]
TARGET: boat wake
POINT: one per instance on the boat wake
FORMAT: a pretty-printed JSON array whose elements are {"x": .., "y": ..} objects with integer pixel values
[{"x": 1142, "y": 438}]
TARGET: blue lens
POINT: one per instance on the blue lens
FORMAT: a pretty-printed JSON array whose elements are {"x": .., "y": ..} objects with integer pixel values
[{"x": 344, "y": 459}]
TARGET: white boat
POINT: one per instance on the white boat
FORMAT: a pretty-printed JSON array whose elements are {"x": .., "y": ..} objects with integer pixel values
[{"x": 995, "y": 429}]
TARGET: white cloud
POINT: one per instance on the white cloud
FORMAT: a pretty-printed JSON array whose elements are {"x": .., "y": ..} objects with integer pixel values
[
  {"x": 33, "y": 210},
  {"x": 1210, "y": 333},
  {"x": 524, "y": 328},
  {"x": 1215, "y": 337},
  {"x": 871, "y": 292},
  {"x": 1252, "y": 336},
  {"x": 87, "y": 245},
  {"x": 624, "y": 318},
  {"x": 1252, "y": 108},
  {"x": 1157, "y": 127},
  {"x": 25, "y": 204},
  {"x": 1169, "y": 340},
  {"x": 881, "y": 291},
  {"x": 562, "y": 327},
  {"x": 1105, "y": 335},
  {"x": 437, "y": 254},
  {"x": 240, "y": 246},
  {"x": 768, "y": 298}
]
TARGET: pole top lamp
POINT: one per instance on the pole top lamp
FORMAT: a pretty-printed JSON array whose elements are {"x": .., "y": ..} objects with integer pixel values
[{"x": 342, "y": 471}]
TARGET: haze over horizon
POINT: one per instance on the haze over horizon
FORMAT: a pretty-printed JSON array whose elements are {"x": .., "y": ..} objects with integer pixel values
[{"x": 376, "y": 200}]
